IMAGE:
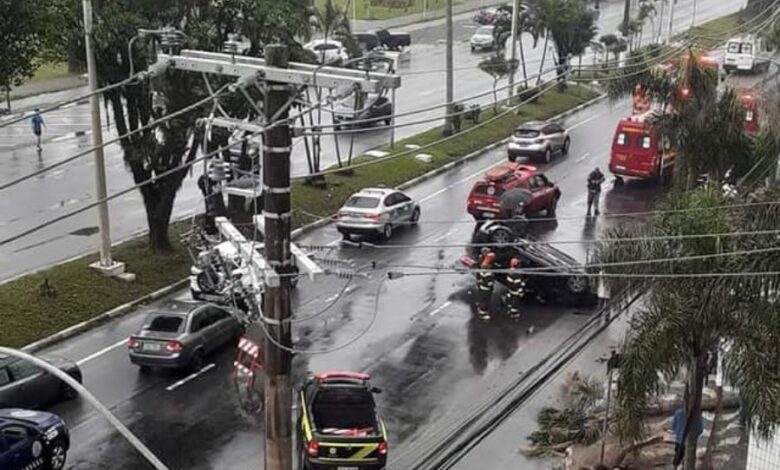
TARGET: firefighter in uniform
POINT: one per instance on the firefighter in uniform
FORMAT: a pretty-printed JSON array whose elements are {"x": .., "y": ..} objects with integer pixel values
[
  {"x": 515, "y": 289},
  {"x": 485, "y": 281}
]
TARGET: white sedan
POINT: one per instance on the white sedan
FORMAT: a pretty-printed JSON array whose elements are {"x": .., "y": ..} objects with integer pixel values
[{"x": 328, "y": 51}]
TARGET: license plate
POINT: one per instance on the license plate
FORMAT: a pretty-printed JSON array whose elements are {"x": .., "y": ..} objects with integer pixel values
[
  {"x": 346, "y": 468},
  {"x": 156, "y": 347},
  {"x": 488, "y": 215}
]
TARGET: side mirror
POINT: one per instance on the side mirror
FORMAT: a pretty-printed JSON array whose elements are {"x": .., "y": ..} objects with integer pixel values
[{"x": 376, "y": 390}]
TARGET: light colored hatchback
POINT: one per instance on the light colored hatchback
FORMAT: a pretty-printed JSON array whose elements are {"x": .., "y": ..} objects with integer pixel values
[{"x": 376, "y": 211}]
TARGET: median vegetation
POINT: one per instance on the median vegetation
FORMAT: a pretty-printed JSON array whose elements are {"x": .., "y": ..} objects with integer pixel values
[{"x": 37, "y": 305}]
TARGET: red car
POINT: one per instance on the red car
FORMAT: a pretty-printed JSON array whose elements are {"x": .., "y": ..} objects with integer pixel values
[{"x": 484, "y": 201}]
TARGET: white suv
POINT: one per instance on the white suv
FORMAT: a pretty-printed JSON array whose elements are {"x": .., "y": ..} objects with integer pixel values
[{"x": 376, "y": 211}]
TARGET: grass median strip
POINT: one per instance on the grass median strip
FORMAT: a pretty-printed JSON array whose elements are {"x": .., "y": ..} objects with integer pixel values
[{"x": 78, "y": 293}]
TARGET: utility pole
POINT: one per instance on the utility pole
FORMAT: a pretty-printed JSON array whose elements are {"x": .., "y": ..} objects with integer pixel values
[
  {"x": 106, "y": 264},
  {"x": 276, "y": 210},
  {"x": 693, "y": 15},
  {"x": 513, "y": 50},
  {"x": 671, "y": 18},
  {"x": 448, "y": 122},
  {"x": 626, "y": 16}
]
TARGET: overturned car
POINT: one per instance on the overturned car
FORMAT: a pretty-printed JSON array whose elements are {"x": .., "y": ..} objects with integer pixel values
[{"x": 556, "y": 276}]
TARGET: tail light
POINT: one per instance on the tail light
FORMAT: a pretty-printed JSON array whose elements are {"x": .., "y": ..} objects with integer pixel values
[
  {"x": 174, "y": 346},
  {"x": 374, "y": 217},
  {"x": 132, "y": 343},
  {"x": 313, "y": 448},
  {"x": 382, "y": 448}
]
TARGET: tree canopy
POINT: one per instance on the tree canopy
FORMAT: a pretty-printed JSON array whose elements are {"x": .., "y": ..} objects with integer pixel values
[{"x": 23, "y": 25}]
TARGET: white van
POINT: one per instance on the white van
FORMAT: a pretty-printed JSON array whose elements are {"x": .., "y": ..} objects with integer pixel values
[{"x": 747, "y": 53}]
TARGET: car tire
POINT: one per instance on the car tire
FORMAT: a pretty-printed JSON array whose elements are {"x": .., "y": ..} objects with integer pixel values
[
  {"x": 576, "y": 285},
  {"x": 387, "y": 231},
  {"x": 56, "y": 456},
  {"x": 547, "y": 155},
  {"x": 511, "y": 157},
  {"x": 566, "y": 145},
  {"x": 198, "y": 360},
  {"x": 501, "y": 235},
  {"x": 473, "y": 49},
  {"x": 69, "y": 393},
  {"x": 415, "y": 216},
  {"x": 144, "y": 369},
  {"x": 346, "y": 236}
]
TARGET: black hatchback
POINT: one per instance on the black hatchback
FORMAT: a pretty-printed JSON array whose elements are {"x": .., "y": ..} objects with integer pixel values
[
  {"x": 377, "y": 109},
  {"x": 25, "y": 385}
]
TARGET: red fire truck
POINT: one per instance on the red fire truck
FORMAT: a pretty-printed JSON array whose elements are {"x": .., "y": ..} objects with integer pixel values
[{"x": 637, "y": 150}]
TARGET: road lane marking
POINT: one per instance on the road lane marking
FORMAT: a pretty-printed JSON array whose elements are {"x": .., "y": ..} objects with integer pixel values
[
  {"x": 587, "y": 154},
  {"x": 190, "y": 377},
  {"x": 101, "y": 352},
  {"x": 440, "y": 308}
]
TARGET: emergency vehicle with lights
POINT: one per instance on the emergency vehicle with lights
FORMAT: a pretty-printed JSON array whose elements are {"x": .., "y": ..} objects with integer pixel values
[
  {"x": 339, "y": 423},
  {"x": 637, "y": 150},
  {"x": 32, "y": 440},
  {"x": 484, "y": 200}
]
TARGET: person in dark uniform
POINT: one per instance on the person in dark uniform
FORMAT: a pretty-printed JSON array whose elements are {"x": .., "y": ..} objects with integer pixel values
[
  {"x": 595, "y": 180},
  {"x": 515, "y": 284},
  {"x": 485, "y": 282}
]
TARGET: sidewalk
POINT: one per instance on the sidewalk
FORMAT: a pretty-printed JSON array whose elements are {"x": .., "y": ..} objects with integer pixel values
[{"x": 45, "y": 93}]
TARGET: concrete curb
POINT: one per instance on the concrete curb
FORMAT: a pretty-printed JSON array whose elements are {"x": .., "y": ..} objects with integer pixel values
[
  {"x": 102, "y": 318},
  {"x": 297, "y": 233}
]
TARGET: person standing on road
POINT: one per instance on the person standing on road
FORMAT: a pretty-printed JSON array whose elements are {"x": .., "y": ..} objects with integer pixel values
[
  {"x": 515, "y": 289},
  {"x": 37, "y": 126},
  {"x": 485, "y": 282},
  {"x": 595, "y": 180}
]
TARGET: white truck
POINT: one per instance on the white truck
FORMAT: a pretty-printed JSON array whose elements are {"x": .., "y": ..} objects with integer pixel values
[{"x": 749, "y": 53}]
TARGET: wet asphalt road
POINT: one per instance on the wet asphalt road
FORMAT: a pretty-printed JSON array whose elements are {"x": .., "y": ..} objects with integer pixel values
[
  {"x": 71, "y": 187},
  {"x": 423, "y": 349}
]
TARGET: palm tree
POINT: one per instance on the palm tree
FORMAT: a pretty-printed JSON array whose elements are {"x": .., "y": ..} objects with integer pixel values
[
  {"x": 568, "y": 23},
  {"x": 705, "y": 127},
  {"x": 684, "y": 319},
  {"x": 333, "y": 21}
]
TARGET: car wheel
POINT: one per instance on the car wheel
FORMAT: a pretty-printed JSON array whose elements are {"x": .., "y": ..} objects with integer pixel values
[
  {"x": 69, "y": 393},
  {"x": 501, "y": 235},
  {"x": 144, "y": 369},
  {"x": 511, "y": 157},
  {"x": 346, "y": 236},
  {"x": 387, "y": 232},
  {"x": 415, "y": 216},
  {"x": 566, "y": 145},
  {"x": 547, "y": 155},
  {"x": 57, "y": 456},
  {"x": 576, "y": 284},
  {"x": 198, "y": 360},
  {"x": 473, "y": 49}
]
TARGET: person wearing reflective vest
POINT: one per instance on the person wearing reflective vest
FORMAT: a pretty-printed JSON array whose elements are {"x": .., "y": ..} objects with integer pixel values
[
  {"x": 515, "y": 284},
  {"x": 485, "y": 281}
]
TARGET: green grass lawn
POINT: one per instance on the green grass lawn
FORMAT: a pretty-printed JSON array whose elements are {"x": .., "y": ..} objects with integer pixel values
[
  {"x": 26, "y": 316},
  {"x": 50, "y": 71},
  {"x": 713, "y": 32},
  {"x": 384, "y": 9}
]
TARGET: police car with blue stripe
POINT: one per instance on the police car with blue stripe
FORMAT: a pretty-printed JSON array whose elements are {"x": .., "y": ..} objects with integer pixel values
[{"x": 32, "y": 440}]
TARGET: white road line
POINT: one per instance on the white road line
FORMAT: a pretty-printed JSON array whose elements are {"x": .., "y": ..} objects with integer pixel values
[
  {"x": 440, "y": 308},
  {"x": 587, "y": 154},
  {"x": 190, "y": 377},
  {"x": 101, "y": 352},
  {"x": 583, "y": 122}
]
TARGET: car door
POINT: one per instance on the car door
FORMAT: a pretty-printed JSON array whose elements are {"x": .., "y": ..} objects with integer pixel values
[
  {"x": 200, "y": 334},
  {"x": 554, "y": 134},
  {"x": 19, "y": 447},
  {"x": 389, "y": 208},
  {"x": 546, "y": 191},
  {"x": 223, "y": 325},
  {"x": 537, "y": 201},
  {"x": 6, "y": 387},
  {"x": 33, "y": 387},
  {"x": 400, "y": 207}
]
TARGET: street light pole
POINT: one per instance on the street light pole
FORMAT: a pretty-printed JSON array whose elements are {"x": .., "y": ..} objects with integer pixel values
[
  {"x": 693, "y": 15},
  {"x": 513, "y": 50},
  {"x": 448, "y": 123},
  {"x": 671, "y": 19},
  {"x": 106, "y": 265}
]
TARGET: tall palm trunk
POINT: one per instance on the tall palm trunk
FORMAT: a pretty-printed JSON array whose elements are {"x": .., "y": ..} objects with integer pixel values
[
  {"x": 544, "y": 56},
  {"x": 696, "y": 371},
  {"x": 522, "y": 59}
]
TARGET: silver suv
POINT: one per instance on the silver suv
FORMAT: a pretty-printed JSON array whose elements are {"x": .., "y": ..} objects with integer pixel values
[
  {"x": 538, "y": 140},
  {"x": 376, "y": 211}
]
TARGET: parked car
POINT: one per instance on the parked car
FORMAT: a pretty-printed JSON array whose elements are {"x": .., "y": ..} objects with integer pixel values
[
  {"x": 747, "y": 53},
  {"x": 486, "y": 16},
  {"x": 538, "y": 140},
  {"x": 339, "y": 423},
  {"x": 377, "y": 109},
  {"x": 327, "y": 51},
  {"x": 570, "y": 285},
  {"x": 484, "y": 200},
  {"x": 181, "y": 334},
  {"x": 32, "y": 440},
  {"x": 25, "y": 385},
  {"x": 483, "y": 38},
  {"x": 376, "y": 211}
]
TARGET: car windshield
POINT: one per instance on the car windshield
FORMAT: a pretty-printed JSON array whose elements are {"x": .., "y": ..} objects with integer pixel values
[
  {"x": 526, "y": 133},
  {"x": 747, "y": 48},
  {"x": 488, "y": 190},
  {"x": 166, "y": 324},
  {"x": 484, "y": 31},
  {"x": 363, "y": 202},
  {"x": 325, "y": 46},
  {"x": 733, "y": 47}
]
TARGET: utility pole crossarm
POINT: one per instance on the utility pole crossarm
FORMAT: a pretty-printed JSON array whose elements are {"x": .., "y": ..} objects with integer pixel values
[
  {"x": 248, "y": 250},
  {"x": 297, "y": 74}
]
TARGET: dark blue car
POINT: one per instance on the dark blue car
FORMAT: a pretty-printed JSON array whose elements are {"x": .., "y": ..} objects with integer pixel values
[{"x": 31, "y": 440}]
